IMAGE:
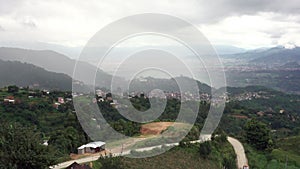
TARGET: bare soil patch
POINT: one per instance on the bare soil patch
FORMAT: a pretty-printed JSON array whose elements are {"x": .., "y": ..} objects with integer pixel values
[{"x": 155, "y": 128}]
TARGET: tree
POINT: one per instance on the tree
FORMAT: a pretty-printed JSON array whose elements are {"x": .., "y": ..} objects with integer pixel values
[
  {"x": 66, "y": 141},
  {"x": 111, "y": 162},
  {"x": 258, "y": 134},
  {"x": 205, "y": 149},
  {"x": 12, "y": 89},
  {"x": 21, "y": 147}
]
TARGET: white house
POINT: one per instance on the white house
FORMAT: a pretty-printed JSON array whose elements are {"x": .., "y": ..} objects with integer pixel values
[{"x": 92, "y": 147}]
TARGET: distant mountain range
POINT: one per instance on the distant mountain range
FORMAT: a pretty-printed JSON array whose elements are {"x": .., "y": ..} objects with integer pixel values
[
  {"x": 291, "y": 65},
  {"x": 227, "y": 49},
  {"x": 56, "y": 62},
  {"x": 276, "y": 68},
  {"x": 276, "y": 56},
  {"x": 37, "y": 68},
  {"x": 187, "y": 84}
]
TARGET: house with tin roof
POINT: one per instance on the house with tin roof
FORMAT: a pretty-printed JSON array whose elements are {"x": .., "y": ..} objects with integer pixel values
[{"x": 92, "y": 147}]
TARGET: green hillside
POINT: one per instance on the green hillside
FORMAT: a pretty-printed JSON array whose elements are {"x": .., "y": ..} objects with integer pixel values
[
  {"x": 23, "y": 74},
  {"x": 182, "y": 157}
]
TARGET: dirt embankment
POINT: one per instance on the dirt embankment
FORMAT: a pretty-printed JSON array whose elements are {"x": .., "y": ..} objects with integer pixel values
[{"x": 155, "y": 128}]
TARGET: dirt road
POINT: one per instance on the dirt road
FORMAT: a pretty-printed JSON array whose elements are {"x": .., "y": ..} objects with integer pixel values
[{"x": 239, "y": 151}]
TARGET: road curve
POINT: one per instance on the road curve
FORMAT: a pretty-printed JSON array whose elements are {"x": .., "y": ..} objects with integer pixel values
[
  {"x": 239, "y": 151},
  {"x": 237, "y": 146}
]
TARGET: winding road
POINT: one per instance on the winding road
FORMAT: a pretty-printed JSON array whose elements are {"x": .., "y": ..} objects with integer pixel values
[
  {"x": 237, "y": 146},
  {"x": 239, "y": 151}
]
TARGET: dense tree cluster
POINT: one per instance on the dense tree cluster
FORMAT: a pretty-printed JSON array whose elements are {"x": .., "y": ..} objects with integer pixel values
[
  {"x": 21, "y": 147},
  {"x": 258, "y": 135}
]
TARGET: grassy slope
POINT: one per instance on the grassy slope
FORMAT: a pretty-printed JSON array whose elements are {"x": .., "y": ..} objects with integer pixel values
[
  {"x": 277, "y": 158},
  {"x": 175, "y": 159},
  {"x": 288, "y": 149},
  {"x": 181, "y": 158}
]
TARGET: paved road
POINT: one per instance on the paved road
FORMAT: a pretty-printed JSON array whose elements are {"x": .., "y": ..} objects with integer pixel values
[
  {"x": 81, "y": 160},
  {"x": 239, "y": 151},
  {"x": 238, "y": 148}
]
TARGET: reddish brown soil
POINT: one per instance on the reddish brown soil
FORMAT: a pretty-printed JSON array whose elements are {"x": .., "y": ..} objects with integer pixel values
[{"x": 155, "y": 128}]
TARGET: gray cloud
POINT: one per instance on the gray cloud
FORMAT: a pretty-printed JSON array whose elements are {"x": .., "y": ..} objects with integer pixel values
[
  {"x": 253, "y": 6},
  {"x": 29, "y": 22},
  {"x": 218, "y": 10},
  {"x": 1, "y": 28},
  {"x": 276, "y": 35},
  {"x": 283, "y": 18}
]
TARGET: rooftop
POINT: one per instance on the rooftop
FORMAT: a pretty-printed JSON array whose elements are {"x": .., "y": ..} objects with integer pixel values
[{"x": 92, "y": 145}]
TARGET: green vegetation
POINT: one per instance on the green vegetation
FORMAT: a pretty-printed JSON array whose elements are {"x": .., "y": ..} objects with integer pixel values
[
  {"x": 269, "y": 104},
  {"x": 182, "y": 157},
  {"x": 205, "y": 149},
  {"x": 267, "y": 136},
  {"x": 35, "y": 109},
  {"x": 276, "y": 159},
  {"x": 21, "y": 147},
  {"x": 258, "y": 135},
  {"x": 283, "y": 80},
  {"x": 284, "y": 155}
]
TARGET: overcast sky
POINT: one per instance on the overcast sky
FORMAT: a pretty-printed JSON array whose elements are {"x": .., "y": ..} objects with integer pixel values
[{"x": 242, "y": 23}]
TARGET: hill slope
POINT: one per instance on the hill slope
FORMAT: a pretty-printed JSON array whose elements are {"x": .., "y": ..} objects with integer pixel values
[
  {"x": 23, "y": 74},
  {"x": 55, "y": 62},
  {"x": 278, "y": 56},
  {"x": 271, "y": 57}
]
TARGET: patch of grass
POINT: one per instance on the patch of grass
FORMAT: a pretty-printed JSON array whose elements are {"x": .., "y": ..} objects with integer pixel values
[
  {"x": 285, "y": 156},
  {"x": 179, "y": 158},
  {"x": 176, "y": 158},
  {"x": 291, "y": 144},
  {"x": 274, "y": 160}
]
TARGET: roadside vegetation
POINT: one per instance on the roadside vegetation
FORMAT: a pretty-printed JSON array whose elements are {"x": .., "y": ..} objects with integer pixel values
[{"x": 212, "y": 154}]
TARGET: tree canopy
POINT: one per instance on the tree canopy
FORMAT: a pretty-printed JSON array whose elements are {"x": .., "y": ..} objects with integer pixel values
[{"x": 21, "y": 147}]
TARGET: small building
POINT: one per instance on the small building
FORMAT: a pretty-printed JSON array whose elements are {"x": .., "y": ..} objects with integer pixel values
[
  {"x": 281, "y": 111},
  {"x": 56, "y": 105},
  {"x": 9, "y": 99},
  {"x": 92, "y": 147},
  {"x": 45, "y": 92},
  {"x": 260, "y": 113},
  {"x": 205, "y": 137},
  {"x": 61, "y": 100}
]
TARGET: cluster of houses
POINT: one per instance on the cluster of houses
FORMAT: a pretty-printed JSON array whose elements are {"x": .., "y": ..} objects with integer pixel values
[
  {"x": 33, "y": 94},
  {"x": 102, "y": 96},
  {"x": 185, "y": 96},
  {"x": 250, "y": 96}
]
